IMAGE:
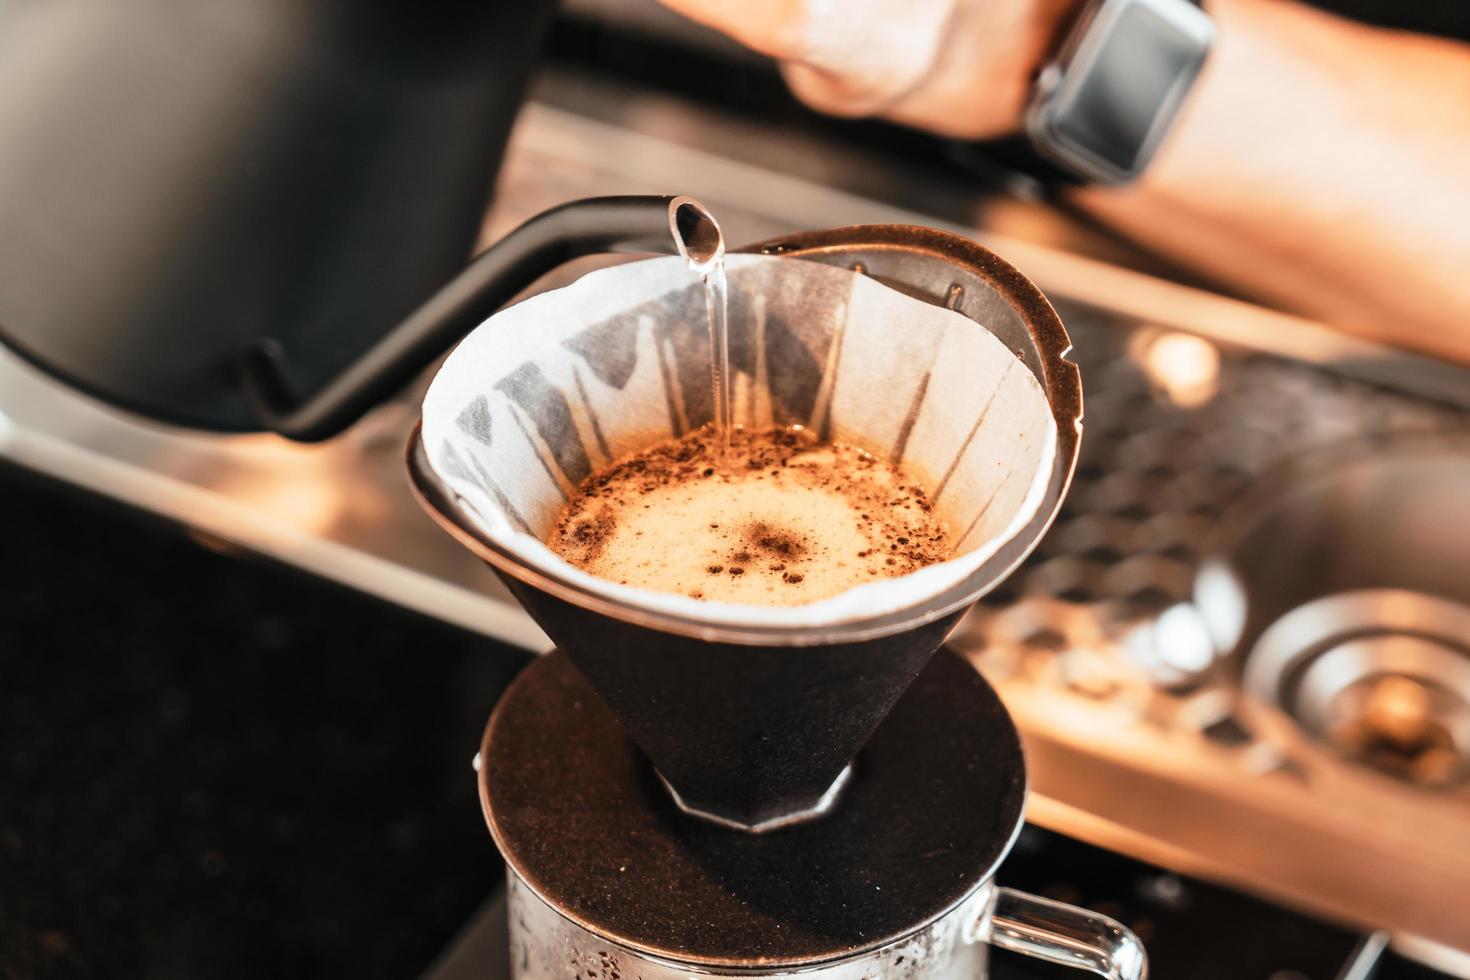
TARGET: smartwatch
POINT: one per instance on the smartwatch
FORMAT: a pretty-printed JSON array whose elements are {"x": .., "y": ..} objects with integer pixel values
[{"x": 1101, "y": 107}]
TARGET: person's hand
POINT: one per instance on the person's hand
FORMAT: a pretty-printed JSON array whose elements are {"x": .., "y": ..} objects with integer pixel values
[{"x": 960, "y": 68}]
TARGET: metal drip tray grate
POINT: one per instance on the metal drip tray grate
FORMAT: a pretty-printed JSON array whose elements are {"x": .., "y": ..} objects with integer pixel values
[{"x": 1176, "y": 430}]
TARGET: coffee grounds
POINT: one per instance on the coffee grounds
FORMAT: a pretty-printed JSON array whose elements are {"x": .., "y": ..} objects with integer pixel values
[{"x": 798, "y": 519}]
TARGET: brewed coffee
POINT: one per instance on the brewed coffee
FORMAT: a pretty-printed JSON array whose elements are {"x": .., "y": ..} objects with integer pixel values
[{"x": 786, "y": 520}]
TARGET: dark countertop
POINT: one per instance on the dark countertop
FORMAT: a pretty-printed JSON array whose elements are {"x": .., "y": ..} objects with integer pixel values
[{"x": 213, "y": 766}]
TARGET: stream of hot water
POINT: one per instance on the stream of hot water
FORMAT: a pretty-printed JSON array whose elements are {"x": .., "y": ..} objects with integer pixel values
[{"x": 702, "y": 245}]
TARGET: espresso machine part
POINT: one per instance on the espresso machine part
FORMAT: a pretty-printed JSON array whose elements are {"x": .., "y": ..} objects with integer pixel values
[
  {"x": 1366, "y": 657},
  {"x": 591, "y": 762},
  {"x": 182, "y": 183}
]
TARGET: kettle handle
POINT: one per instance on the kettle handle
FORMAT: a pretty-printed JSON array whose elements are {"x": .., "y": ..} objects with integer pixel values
[
  {"x": 1063, "y": 934},
  {"x": 633, "y": 223}
]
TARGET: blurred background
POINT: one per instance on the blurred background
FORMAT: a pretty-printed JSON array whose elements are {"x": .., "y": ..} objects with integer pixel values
[{"x": 242, "y": 678}]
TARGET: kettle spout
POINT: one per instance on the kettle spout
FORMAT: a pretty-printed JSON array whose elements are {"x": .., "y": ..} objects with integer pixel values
[{"x": 635, "y": 223}]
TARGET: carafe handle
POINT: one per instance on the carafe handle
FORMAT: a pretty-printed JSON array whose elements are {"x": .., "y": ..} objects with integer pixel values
[{"x": 1063, "y": 934}]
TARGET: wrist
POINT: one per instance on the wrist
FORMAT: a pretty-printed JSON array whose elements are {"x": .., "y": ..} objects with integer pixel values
[{"x": 984, "y": 71}]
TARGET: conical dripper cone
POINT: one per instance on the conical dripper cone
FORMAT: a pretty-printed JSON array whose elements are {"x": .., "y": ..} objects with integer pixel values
[
  {"x": 752, "y": 723},
  {"x": 752, "y": 735}
]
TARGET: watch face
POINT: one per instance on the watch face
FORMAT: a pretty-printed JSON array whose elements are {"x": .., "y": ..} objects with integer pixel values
[{"x": 1120, "y": 85}]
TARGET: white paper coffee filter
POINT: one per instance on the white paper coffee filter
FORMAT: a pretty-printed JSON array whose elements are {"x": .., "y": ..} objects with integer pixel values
[{"x": 546, "y": 392}]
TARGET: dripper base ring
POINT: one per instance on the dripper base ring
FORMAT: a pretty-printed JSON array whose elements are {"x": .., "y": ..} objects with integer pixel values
[{"x": 821, "y": 808}]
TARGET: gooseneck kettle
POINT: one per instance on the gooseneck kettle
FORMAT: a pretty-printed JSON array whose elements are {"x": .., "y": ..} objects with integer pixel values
[{"x": 243, "y": 216}]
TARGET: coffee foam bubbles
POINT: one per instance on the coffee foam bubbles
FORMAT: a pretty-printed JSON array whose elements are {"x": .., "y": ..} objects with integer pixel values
[{"x": 784, "y": 521}]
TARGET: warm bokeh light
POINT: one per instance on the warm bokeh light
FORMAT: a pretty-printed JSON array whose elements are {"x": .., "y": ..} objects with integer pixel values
[
  {"x": 1398, "y": 708},
  {"x": 1182, "y": 367}
]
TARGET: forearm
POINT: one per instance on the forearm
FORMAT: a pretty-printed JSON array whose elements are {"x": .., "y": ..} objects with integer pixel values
[
  {"x": 1322, "y": 166},
  {"x": 1319, "y": 164}
]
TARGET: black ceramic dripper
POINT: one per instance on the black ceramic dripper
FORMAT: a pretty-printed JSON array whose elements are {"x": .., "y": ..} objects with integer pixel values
[
  {"x": 755, "y": 735},
  {"x": 755, "y": 726}
]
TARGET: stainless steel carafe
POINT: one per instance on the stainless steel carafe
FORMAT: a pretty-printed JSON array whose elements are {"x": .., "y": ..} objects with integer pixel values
[{"x": 608, "y": 879}]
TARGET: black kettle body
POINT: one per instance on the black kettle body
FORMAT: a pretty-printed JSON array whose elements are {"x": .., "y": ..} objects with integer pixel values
[{"x": 182, "y": 181}]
